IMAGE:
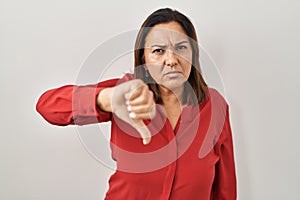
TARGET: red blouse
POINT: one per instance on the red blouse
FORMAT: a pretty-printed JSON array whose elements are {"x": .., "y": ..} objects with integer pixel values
[{"x": 193, "y": 161}]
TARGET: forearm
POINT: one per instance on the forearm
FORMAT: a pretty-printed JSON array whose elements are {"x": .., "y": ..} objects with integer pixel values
[
  {"x": 79, "y": 105},
  {"x": 73, "y": 104}
]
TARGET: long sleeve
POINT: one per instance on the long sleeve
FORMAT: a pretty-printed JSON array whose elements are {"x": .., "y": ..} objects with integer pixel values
[
  {"x": 225, "y": 178},
  {"x": 73, "y": 104}
]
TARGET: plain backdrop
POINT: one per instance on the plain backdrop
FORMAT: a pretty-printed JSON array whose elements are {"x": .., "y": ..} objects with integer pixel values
[{"x": 43, "y": 44}]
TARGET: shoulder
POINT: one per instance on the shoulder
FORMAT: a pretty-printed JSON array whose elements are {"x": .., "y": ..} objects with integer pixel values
[
  {"x": 215, "y": 97},
  {"x": 216, "y": 104}
]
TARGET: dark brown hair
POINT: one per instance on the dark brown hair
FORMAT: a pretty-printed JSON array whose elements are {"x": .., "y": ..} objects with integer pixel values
[{"x": 195, "y": 91}]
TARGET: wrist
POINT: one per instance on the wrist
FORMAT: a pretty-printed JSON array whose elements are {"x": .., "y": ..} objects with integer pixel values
[{"x": 104, "y": 99}]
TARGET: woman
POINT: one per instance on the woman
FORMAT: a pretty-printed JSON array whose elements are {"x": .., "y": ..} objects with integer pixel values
[{"x": 170, "y": 133}]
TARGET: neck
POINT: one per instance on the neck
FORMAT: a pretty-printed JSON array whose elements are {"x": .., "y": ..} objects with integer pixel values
[{"x": 171, "y": 97}]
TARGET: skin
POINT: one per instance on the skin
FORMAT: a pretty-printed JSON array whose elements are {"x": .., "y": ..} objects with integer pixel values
[{"x": 168, "y": 57}]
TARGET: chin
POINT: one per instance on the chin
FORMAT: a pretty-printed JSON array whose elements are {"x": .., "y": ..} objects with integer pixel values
[{"x": 173, "y": 84}]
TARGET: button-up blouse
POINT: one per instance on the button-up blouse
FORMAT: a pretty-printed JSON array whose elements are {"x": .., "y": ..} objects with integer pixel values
[{"x": 195, "y": 160}]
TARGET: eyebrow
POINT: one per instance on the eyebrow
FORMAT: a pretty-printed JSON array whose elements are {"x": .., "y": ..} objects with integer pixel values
[
  {"x": 183, "y": 42},
  {"x": 164, "y": 46},
  {"x": 159, "y": 46}
]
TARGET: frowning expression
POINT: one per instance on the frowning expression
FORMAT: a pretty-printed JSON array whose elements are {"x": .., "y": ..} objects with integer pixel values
[{"x": 168, "y": 55}]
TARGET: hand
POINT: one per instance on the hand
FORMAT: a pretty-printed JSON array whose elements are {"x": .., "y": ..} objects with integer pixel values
[{"x": 133, "y": 102}]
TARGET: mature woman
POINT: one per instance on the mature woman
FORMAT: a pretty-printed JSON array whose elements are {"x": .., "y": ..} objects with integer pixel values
[{"x": 170, "y": 133}]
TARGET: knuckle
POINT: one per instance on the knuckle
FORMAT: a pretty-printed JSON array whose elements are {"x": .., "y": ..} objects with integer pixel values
[
  {"x": 139, "y": 82},
  {"x": 151, "y": 96},
  {"x": 144, "y": 99},
  {"x": 150, "y": 93}
]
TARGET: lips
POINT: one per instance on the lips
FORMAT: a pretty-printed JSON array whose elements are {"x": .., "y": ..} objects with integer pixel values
[{"x": 172, "y": 72}]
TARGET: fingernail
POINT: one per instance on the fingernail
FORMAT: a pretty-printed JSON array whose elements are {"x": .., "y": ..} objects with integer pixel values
[
  {"x": 127, "y": 102},
  {"x": 127, "y": 95},
  {"x": 132, "y": 115},
  {"x": 146, "y": 140},
  {"x": 129, "y": 108}
]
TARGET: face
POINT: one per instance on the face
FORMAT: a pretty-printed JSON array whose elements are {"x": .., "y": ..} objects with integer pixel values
[{"x": 168, "y": 55}]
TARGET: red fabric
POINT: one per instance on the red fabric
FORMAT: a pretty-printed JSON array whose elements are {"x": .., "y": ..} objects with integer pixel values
[{"x": 193, "y": 161}]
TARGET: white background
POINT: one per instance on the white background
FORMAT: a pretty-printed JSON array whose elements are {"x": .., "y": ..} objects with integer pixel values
[{"x": 255, "y": 45}]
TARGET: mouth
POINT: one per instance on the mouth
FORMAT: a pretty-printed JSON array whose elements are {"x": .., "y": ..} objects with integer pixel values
[{"x": 173, "y": 74}]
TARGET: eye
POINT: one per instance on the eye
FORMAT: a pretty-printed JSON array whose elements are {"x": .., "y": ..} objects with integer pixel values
[
  {"x": 181, "y": 47},
  {"x": 158, "y": 51}
]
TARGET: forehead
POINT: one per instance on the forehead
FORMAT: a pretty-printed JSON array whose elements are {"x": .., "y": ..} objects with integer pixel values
[{"x": 166, "y": 33}]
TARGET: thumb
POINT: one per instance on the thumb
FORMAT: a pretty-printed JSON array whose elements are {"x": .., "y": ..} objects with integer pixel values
[{"x": 143, "y": 131}]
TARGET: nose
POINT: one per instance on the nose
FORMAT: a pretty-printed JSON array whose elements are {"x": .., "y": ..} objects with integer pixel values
[{"x": 170, "y": 58}]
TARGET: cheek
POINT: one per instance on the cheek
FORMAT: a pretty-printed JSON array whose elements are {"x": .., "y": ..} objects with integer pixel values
[
  {"x": 155, "y": 71},
  {"x": 186, "y": 66},
  {"x": 154, "y": 66},
  {"x": 186, "y": 57},
  {"x": 187, "y": 71},
  {"x": 152, "y": 59}
]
